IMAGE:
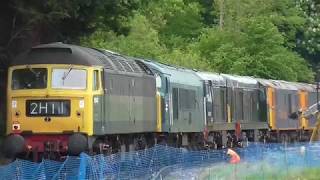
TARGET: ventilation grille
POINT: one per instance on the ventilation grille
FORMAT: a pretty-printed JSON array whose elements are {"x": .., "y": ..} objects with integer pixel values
[
  {"x": 102, "y": 58},
  {"x": 144, "y": 67},
  {"x": 135, "y": 67},
  {"x": 125, "y": 64},
  {"x": 118, "y": 65}
]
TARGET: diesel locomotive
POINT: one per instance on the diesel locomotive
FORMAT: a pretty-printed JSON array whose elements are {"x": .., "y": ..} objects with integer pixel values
[{"x": 67, "y": 99}]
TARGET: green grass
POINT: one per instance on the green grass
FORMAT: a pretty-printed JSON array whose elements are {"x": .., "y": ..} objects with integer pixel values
[
  {"x": 297, "y": 174},
  {"x": 257, "y": 171}
]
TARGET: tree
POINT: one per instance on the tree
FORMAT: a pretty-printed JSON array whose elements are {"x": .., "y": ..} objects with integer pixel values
[
  {"x": 141, "y": 41},
  {"x": 178, "y": 22},
  {"x": 309, "y": 39},
  {"x": 256, "y": 49},
  {"x": 28, "y": 23}
]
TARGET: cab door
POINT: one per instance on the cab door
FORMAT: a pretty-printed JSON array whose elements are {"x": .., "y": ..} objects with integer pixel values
[
  {"x": 98, "y": 102},
  {"x": 169, "y": 112},
  {"x": 208, "y": 102}
]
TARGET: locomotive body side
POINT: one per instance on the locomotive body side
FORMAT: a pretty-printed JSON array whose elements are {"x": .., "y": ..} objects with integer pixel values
[
  {"x": 235, "y": 109},
  {"x": 310, "y": 99},
  {"x": 184, "y": 99},
  {"x": 181, "y": 92},
  {"x": 283, "y": 99},
  {"x": 128, "y": 104}
]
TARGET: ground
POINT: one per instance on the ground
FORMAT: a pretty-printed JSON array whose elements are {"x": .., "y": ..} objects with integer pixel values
[{"x": 247, "y": 171}]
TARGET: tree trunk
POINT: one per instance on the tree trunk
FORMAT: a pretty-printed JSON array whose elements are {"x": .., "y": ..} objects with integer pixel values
[{"x": 221, "y": 12}]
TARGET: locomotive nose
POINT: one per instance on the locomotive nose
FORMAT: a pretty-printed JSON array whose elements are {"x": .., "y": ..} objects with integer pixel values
[{"x": 13, "y": 144}]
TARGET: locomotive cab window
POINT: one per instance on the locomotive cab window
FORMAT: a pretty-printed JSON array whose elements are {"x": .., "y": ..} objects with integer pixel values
[
  {"x": 208, "y": 92},
  {"x": 29, "y": 78},
  {"x": 175, "y": 103},
  {"x": 96, "y": 80},
  {"x": 69, "y": 78},
  {"x": 158, "y": 81}
]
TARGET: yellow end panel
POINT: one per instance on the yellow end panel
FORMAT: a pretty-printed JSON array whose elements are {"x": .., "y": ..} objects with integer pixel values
[
  {"x": 39, "y": 124},
  {"x": 303, "y": 102},
  {"x": 159, "y": 114},
  {"x": 271, "y": 107},
  {"x": 81, "y": 113}
]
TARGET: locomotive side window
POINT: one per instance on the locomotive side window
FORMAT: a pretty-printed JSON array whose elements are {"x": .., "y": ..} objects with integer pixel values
[
  {"x": 209, "y": 105},
  {"x": 219, "y": 98},
  {"x": 187, "y": 99},
  {"x": 69, "y": 78},
  {"x": 29, "y": 78},
  {"x": 241, "y": 105},
  {"x": 96, "y": 80},
  {"x": 289, "y": 103},
  {"x": 175, "y": 103},
  {"x": 223, "y": 106}
]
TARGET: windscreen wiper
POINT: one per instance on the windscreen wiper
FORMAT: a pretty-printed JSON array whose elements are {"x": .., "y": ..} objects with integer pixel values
[
  {"x": 66, "y": 75},
  {"x": 33, "y": 71}
]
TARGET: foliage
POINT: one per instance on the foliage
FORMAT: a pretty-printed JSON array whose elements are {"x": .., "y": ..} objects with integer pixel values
[
  {"x": 256, "y": 50},
  {"x": 177, "y": 22},
  {"x": 27, "y": 23},
  {"x": 257, "y": 38},
  {"x": 263, "y": 38},
  {"x": 142, "y": 40},
  {"x": 309, "y": 40}
]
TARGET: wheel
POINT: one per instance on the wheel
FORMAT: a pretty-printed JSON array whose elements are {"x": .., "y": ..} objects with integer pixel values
[
  {"x": 13, "y": 145},
  {"x": 96, "y": 146},
  {"x": 77, "y": 144}
]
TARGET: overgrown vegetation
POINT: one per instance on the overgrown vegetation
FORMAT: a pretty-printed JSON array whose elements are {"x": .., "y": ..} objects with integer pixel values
[
  {"x": 278, "y": 39},
  {"x": 267, "y": 39}
]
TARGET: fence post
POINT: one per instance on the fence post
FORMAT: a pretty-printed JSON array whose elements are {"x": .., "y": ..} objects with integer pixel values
[
  {"x": 82, "y": 167},
  {"x": 18, "y": 170}
]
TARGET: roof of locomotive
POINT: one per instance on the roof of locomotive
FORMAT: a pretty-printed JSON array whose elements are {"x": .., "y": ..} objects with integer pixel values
[
  {"x": 60, "y": 53},
  {"x": 216, "y": 79},
  {"x": 280, "y": 84},
  {"x": 277, "y": 84},
  {"x": 176, "y": 74},
  {"x": 247, "y": 81},
  {"x": 240, "y": 81},
  {"x": 229, "y": 80},
  {"x": 307, "y": 87},
  {"x": 299, "y": 86}
]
